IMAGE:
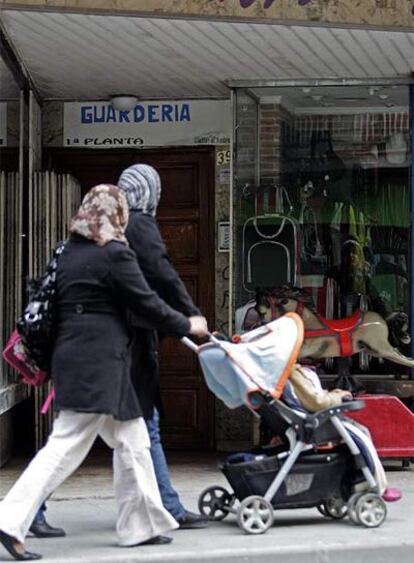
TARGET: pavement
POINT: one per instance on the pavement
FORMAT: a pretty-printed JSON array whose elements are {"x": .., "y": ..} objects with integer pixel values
[{"x": 85, "y": 507}]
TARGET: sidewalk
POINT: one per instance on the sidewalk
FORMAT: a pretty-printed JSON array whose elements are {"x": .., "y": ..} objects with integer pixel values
[{"x": 85, "y": 507}]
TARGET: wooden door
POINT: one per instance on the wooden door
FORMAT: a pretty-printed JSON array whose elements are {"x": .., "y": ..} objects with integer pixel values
[{"x": 186, "y": 219}]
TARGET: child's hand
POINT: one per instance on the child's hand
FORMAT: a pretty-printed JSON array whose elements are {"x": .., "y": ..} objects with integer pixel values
[{"x": 344, "y": 395}]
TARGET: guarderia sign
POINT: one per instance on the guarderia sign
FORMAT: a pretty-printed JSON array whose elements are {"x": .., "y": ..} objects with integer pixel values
[
  {"x": 148, "y": 124},
  {"x": 148, "y": 113}
]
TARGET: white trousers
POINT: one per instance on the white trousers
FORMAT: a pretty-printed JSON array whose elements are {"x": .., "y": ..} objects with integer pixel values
[{"x": 141, "y": 515}]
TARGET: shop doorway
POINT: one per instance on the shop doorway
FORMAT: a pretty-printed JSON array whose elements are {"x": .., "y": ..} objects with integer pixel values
[{"x": 186, "y": 219}]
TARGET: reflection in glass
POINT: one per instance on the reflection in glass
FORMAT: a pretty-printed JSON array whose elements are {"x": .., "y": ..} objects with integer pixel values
[{"x": 331, "y": 213}]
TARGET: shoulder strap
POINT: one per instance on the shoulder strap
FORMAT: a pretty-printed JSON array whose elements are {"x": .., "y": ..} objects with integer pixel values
[{"x": 59, "y": 247}]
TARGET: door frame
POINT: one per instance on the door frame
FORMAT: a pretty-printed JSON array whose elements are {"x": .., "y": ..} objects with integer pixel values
[{"x": 61, "y": 159}]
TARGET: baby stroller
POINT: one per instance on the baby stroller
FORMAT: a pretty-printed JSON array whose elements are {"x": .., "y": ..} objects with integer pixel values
[{"x": 338, "y": 481}]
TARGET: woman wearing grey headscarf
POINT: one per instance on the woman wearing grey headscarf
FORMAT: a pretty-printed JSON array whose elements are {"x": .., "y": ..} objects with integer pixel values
[{"x": 141, "y": 185}]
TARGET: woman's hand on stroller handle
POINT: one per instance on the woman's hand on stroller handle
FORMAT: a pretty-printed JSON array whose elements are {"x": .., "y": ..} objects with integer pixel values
[
  {"x": 198, "y": 326},
  {"x": 195, "y": 347}
]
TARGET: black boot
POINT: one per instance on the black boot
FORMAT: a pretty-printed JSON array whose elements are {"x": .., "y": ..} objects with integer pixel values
[
  {"x": 45, "y": 530},
  {"x": 191, "y": 521},
  {"x": 157, "y": 540}
]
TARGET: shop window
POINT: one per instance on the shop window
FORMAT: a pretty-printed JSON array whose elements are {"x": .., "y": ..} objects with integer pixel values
[{"x": 322, "y": 204}]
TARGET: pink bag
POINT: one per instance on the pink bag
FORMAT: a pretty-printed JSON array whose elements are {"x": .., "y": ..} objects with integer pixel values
[{"x": 16, "y": 355}]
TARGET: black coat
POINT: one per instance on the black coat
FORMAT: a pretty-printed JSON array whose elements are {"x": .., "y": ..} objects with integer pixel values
[
  {"x": 145, "y": 240},
  {"x": 91, "y": 357}
]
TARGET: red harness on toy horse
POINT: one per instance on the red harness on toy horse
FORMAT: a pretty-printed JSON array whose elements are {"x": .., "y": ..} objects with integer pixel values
[{"x": 341, "y": 329}]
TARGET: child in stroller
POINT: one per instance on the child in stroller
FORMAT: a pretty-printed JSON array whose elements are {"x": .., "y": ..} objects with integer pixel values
[
  {"x": 303, "y": 391},
  {"x": 326, "y": 464}
]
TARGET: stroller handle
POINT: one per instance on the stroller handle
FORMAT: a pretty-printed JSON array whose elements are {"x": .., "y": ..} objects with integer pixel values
[{"x": 194, "y": 347}]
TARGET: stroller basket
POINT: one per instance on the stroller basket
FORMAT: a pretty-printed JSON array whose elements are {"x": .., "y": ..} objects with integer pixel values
[{"x": 313, "y": 479}]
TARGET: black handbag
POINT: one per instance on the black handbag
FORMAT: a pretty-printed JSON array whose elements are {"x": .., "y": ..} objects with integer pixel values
[{"x": 36, "y": 325}]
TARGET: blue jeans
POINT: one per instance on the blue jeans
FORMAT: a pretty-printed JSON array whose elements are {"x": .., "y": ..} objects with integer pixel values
[
  {"x": 40, "y": 515},
  {"x": 169, "y": 496}
]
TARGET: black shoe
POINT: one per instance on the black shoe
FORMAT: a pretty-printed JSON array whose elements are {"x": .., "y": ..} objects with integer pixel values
[
  {"x": 157, "y": 540},
  {"x": 8, "y": 542},
  {"x": 45, "y": 530},
  {"x": 191, "y": 520}
]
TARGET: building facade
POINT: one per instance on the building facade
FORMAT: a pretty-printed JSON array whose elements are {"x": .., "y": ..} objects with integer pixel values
[{"x": 282, "y": 131}]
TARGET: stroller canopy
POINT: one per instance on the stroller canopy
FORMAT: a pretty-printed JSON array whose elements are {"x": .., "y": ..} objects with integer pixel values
[{"x": 262, "y": 361}]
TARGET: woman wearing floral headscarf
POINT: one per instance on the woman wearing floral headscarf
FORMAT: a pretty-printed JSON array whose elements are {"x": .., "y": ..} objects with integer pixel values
[{"x": 98, "y": 277}]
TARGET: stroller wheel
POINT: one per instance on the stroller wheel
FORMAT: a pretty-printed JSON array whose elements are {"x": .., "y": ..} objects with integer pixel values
[
  {"x": 336, "y": 508},
  {"x": 321, "y": 508},
  {"x": 351, "y": 507},
  {"x": 255, "y": 515},
  {"x": 370, "y": 510},
  {"x": 215, "y": 503}
]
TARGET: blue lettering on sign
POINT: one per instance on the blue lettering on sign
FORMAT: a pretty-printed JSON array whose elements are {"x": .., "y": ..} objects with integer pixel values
[
  {"x": 111, "y": 115},
  {"x": 99, "y": 114},
  {"x": 124, "y": 116},
  {"x": 185, "y": 113},
  {"x": 86, "y": 114},
  {"x": 139, "y": 114},
  {"x": 151, "y": 113},
  {"x": 167, "y": 110}
]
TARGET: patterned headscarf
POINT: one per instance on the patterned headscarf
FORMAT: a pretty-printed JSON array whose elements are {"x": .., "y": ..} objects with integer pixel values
[
  {"x": 141, "y": 185},
  {"x": 102, "y": 216}
]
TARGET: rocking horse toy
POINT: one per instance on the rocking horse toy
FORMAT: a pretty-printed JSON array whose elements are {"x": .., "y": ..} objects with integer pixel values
[{"x": 324, "y": 338}]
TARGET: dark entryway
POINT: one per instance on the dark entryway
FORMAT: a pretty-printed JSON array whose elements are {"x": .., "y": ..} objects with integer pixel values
[{"x": 186, "y": 218}]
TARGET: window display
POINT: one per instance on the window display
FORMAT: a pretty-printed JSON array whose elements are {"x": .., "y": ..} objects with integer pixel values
[{"x": 323, "y": 227}]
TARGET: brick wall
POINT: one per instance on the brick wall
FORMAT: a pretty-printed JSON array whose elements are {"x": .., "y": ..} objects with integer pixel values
[{"x": 272, "y": 116}]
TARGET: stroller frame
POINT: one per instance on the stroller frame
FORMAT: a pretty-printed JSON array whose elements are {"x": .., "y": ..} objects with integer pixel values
[
  {"x": 307, "y": 429},
  {"x": 255, "y": 514}
]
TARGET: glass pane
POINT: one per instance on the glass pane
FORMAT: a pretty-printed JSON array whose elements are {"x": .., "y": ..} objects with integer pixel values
[
  {"x": 246, "y": 177},
  {"x": 331, "y": 213}
]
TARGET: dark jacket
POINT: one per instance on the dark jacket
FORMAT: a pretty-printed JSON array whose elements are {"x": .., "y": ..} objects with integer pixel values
[
  {"x": 145, "y": 240},
  {"x": 91, "y": 356}
]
